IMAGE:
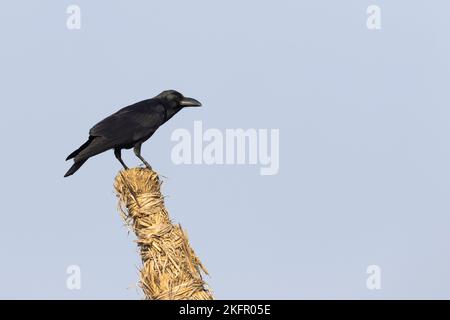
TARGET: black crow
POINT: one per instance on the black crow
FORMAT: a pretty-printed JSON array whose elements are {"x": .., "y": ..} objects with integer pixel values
[{"x": 130, "y": 127}]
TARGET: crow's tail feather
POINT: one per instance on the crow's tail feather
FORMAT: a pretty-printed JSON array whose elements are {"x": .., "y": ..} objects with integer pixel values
[
  {"x": 83, "y": 146},
  {"x": 75, "y": 167}
]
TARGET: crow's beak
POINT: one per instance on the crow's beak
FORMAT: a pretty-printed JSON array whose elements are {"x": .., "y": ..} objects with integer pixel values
[{"x": 190, "y": 102}]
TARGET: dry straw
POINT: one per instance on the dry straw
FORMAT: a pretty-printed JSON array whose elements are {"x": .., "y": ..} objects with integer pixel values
[{"x": 170, "y": 268}]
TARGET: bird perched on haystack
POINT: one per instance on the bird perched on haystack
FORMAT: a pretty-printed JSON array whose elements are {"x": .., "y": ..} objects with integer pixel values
[{"x": 130, "y": 127}]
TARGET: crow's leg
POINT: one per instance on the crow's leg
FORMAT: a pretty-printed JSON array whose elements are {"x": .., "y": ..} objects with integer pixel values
[
  {"x": 137, "y": 152},
  {"x": 118, "y": 154}
]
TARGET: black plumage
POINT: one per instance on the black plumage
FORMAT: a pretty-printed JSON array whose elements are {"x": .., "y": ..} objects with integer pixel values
[{"x": 130, "y": 127}]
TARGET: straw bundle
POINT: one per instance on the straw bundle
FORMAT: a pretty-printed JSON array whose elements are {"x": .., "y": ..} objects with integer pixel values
[{"x": 170, "y": 268}]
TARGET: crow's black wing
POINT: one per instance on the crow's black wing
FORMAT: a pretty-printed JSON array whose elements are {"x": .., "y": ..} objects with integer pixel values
[
  {"x": 130, "y": 124},
  {"x": 124, "y": 128}
]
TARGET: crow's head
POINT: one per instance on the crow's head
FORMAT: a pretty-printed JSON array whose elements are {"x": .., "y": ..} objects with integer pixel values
[{"x": 176, "y": 100}]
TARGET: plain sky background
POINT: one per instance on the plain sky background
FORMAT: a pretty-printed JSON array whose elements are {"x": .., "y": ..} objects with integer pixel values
[{"x": 364, "y": 120}]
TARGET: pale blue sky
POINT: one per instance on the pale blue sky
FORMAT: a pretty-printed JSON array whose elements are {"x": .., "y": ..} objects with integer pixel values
[{"x": 364, "y": 144}]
